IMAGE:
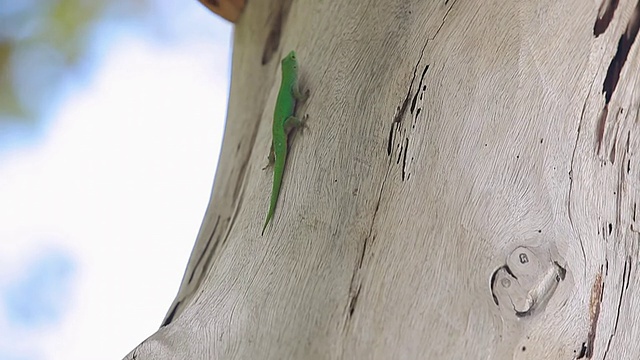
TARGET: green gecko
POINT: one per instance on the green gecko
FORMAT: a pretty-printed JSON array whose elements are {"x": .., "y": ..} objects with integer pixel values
[{"x": 284, "y": 120}]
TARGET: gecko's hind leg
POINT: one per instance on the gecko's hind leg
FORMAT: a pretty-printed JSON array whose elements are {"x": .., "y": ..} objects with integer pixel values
[
  {"x": 271, "y": 158},
  {"x": 299, "y": 95},
  {"x": 294, "y": 122}
]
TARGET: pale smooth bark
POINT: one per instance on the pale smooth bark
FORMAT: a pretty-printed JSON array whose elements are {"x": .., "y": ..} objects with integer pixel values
[{"x": 467, "y": 188}]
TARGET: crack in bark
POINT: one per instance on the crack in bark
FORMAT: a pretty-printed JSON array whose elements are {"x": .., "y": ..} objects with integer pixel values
[
  {"x": 172, "y": 313},
  {"x": 403, "y": 108},
  {"x": 356, "y": 284},
  {"x": 573, "y": 156},
  {"x": 594, "y": 311},
  {"x": 620, "y": 58},
  {"x": 626, "y": 273},
  {"x": 354, "y": 300},
  {"x": 273, "y": 39},
  {"x": 204, "y": 251},
  {"x": 204, "y": 261},
  {"x": 621, "y": 182},
  {"x": 444, "y": 18},
  {"x": 610, "y": 83},
  {"x": 605, "y": 15},
  {"x": 415, "y": 97},
  {"x": 583, "y": 351},
  {"x": 404, "y": 157},
  {"x": 174, "y": 310}
]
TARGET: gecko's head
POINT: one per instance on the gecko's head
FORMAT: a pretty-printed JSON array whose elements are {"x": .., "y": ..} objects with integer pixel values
[{"x": 290, "y": 61}]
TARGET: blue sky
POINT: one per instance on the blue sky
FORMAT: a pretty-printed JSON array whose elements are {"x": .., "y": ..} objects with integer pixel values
[
  {"x": 100, "y": 205},
  {"x": 38, "y": 294}
]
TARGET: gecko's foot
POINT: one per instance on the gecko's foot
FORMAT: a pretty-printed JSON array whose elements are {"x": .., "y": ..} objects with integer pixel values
[
  {"x": 270, "y": 162},
  {"x": 301, "y": 96},
  {"x": 303, "y": 123}
]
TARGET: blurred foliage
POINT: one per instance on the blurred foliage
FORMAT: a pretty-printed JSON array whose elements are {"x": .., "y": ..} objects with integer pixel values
[{"x": 41, "y": 42}]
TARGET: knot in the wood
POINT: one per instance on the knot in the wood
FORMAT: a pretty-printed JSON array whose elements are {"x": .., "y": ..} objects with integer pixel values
[{"x": 526, "y": 282}]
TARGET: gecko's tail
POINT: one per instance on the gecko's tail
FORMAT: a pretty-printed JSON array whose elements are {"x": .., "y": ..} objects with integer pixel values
[
  {"x": 275, "y": 190},
  {"x": 266, "y": 222}
]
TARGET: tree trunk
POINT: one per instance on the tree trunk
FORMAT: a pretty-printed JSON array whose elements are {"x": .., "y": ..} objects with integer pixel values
[{"x": 468, "y": 187}]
